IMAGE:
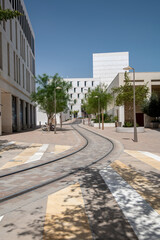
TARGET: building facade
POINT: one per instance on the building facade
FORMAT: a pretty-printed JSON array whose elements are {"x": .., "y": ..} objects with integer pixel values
[
  {"x": 105, "y": 67},
  {"x": 17, "y": 70},
  {"x": 152, "y": 79}
]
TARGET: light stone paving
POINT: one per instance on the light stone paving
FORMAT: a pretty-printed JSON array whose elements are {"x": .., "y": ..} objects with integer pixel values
[
  {"x": 146, "y": 159},
  {"x": 65, "y": 215},
  {"x": 22, "y": 153},
  {"x": 141, "y": 216}
]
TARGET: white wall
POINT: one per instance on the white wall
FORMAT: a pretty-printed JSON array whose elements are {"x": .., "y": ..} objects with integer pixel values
[
  {"x": 84, "y": 85},
  {"x": 107, "y": 65},
  {"x": 8, "y": 83}
]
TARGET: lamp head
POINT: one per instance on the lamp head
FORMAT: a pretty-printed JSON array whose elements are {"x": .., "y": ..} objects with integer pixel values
[{"x": 128, "y": 68}]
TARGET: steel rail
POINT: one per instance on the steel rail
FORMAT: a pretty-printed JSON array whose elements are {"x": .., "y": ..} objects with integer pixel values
[
  {"x": 49, "y": 162},
  {"x": 11, "y": 196}
]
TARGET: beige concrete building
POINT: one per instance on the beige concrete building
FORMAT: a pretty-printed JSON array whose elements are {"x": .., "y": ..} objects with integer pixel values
[
  {"x": 17, "y": 70},
  {"x": 153, "y": 82}
]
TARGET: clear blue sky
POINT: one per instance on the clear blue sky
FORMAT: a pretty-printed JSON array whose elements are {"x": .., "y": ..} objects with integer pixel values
[{"x": 69, "y": 31}]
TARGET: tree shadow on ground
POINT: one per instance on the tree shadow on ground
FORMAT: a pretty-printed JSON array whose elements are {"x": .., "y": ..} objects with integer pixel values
[
  {"x": 106, "y": 219},
  {"x": 16, "y": 147}
]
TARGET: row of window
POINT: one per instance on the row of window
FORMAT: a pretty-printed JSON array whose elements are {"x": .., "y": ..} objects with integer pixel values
[
  {"x": 20, "y": 73},
  {"x": 22, "y": 43},
  {"x": 75, "y": 101},
  {"x": 78, "y": 95},
  {"x": 82, "y": 90},
  {"x": 85, "y": 83},
  {"x": 16, "y": 5}
]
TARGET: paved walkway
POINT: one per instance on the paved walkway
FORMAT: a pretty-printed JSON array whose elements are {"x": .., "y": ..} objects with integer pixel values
[
  {"x": 30, "y": 146},
  {"x": 113, "y": 200}
]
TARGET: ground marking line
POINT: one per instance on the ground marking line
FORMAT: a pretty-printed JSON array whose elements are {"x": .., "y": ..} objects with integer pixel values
[
  {"x": 37, "y": 156},
  {"x": 148, "y": 190},
  {"x": 65, "y": 215},
  {"x": 148, "y": 154},
  {"x": 1, "y": 217},
  {"x": 146, "y": 159},
  {"x": 141, "y": 216}
]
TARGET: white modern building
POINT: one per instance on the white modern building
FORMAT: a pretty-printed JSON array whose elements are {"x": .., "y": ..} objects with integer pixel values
[
  {"x": 105, "y": 68},
  {"x": 152, "y": 79},
  {"x": 17, "y": 70}
]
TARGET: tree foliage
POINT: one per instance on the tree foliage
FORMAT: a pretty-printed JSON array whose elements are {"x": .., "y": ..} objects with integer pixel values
[
  {"x": 8, "y": 14},
  {"x": 124, "y": 93},
  {"x": 45, "y": 94},
  {"x": 151, "y": 106},
  {"x": 100, "y": 94}
]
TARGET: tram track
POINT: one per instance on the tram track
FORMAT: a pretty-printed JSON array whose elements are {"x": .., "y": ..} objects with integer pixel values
[
  {"x": 49, "y": 162},
  {"x": 71, "y": 171}
]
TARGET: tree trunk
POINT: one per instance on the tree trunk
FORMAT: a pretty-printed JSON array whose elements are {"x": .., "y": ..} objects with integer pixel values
[
  {"x": 60, "y": 120},
  {"x": 89, "y": 119},
  {"x": 102, "y": 121}
]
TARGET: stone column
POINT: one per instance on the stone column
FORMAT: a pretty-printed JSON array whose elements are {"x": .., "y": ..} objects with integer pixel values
[
  {"x": 35, "y": 117},
  {"x": 18, "y": 114},
  {"x": 32, "y": 115},
  {"x": 6, "y": 109}
]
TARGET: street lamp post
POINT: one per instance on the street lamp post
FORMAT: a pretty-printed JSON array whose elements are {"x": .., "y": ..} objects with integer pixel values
[
  {"x": 55, "y": 105},
  {"x": 134, "y": 103},
  {"x": 85, "y": 89},
  {"x": 98, "y": 110}
]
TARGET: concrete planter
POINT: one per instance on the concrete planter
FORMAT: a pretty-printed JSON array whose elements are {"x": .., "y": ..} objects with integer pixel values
[
  {"x": 129, "y": 129},
  {"x": 105, "y": 125}
]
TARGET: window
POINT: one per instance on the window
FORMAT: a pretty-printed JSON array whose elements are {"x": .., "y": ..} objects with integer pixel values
[
  {"x": 78, "y": 95},
  {"x": 71, "y": 107},
  {"x": 89, "y": 89},
  {"x": 71, "y": 83},
  {"x": 19, "y": 72},
  {"x": 14, "y": 60},
  {"x": 17, "y": 69},
  {"x": 82, "y": 101},
  {"x": 92, "y": 83},
  {"x": 74, "y": 89},
  {"x": 11, "y": 30},
  {"x": 1, "y": 51},
  {"x": 70, "y": 95},
  {"x": 85, "y": 83},
  {"x": 23, "y": 76},
  {"x": 3, "y": 7},
  {"x": 82, "y": 90},
  {"x": 27, "y": 80},
  {"x": 8, "y": 58},
  {"x": 16, "y": 35},
  {"x": 85, "y": 95},
  {"x": 75, "y": 101},
  {"x": 27, "y": 57},
  {"x": 77, "y": 83}
]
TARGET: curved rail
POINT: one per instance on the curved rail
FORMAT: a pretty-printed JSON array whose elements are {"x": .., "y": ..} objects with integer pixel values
[
  {"x": 49, "y": 162},
  {"x": 3, "y": 199}
]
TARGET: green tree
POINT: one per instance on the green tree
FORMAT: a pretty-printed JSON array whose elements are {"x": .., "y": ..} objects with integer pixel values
[
  {"x": 7, "y": 14},
  {"x": 98, "y": 96},
  {"x": 151, "y": 106},
  {"x": 124, "y": 95},
  {"x": 45, "y": 95}
]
